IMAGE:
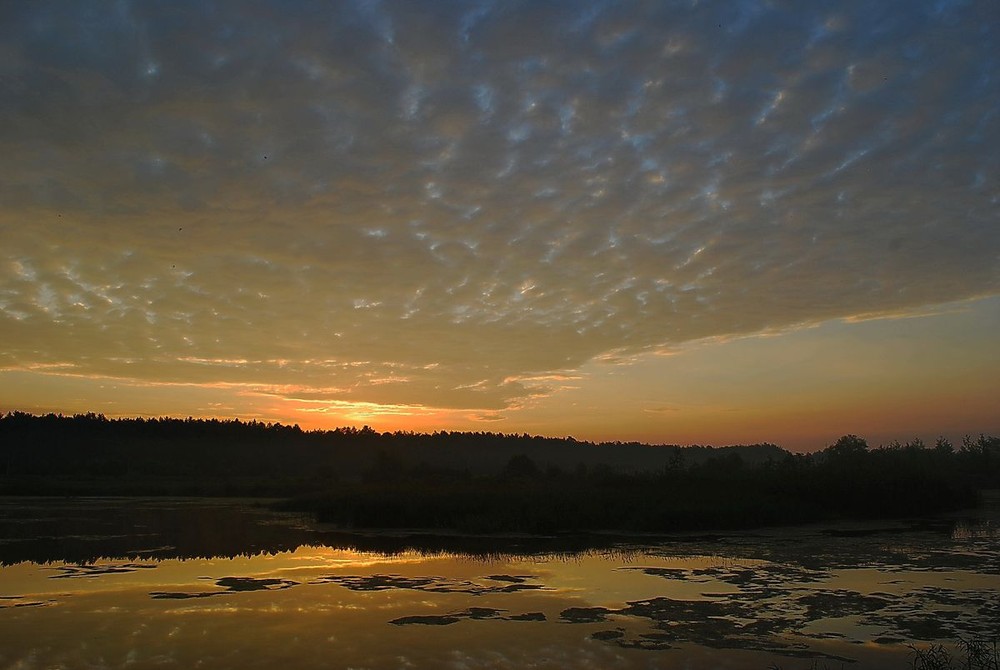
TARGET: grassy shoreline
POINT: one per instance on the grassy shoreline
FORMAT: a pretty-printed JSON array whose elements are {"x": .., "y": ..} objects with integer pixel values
[{"x": 627, "y": 504}]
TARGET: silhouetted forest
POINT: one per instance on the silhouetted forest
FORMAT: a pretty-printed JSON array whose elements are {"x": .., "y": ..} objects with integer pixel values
[
  {"x": 490, "y": 482},
  {"x": 90, "y": 453}
]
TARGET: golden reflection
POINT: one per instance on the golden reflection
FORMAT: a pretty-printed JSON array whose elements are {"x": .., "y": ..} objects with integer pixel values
[
  {"x": 742, "y": 600},
  {"x": 317, "y": 605}
]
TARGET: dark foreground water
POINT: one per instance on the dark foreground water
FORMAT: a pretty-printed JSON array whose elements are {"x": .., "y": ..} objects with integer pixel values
[{"x": 155, "y": 583}]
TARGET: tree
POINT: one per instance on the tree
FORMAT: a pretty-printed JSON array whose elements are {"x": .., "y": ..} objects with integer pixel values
[
  {"x": 848, "y": 446},
  {"x": 943, "y": 446}
]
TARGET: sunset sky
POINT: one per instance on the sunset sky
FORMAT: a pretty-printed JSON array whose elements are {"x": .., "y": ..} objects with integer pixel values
[{"x": 676, "y": 222}]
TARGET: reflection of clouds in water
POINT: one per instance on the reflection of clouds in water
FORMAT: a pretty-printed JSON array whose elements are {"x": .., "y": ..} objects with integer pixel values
[{"x": 749, "y": 591}]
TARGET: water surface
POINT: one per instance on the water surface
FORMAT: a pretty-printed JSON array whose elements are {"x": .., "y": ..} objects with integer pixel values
[{"x": 114, "y": 583}]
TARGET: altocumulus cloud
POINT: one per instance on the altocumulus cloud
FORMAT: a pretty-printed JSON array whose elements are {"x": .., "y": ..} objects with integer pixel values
[{"x": 439, "y": 202}]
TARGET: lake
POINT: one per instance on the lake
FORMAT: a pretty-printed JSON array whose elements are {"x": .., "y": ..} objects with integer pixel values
[{"x": 185, "y": 583}]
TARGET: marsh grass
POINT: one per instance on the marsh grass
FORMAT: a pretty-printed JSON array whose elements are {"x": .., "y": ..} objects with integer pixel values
[
  {"x": 966, "y": 654},
  {"x": 963, "y": 654}
]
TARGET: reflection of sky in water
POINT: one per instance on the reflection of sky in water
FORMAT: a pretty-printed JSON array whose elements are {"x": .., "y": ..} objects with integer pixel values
[
  {"x": 742, "y": 600},
  {"x": 295, "y": 611}
]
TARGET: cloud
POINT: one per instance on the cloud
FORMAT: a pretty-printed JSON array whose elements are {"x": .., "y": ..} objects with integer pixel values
[
  {"x": 437, "y": 204},
  {"x": 489, "y": 416},
  {"x": 664, "y": 409}
]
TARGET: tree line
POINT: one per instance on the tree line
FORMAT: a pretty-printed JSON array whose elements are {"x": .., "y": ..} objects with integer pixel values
[{"x": 491, "y": 482}]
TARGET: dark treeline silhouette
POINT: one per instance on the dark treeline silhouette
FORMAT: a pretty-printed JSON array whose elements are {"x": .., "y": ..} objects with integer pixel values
[
  {"x": 846, "y": 481},
  {"x": 490, "y": 482},
  {"x": 92, "y": 453}
]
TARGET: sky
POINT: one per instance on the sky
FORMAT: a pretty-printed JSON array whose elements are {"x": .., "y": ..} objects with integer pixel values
[{"x": 706, "y": 222}]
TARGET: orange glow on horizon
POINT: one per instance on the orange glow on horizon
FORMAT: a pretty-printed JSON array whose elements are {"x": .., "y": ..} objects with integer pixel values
[{"x": 800, "y": 389}]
